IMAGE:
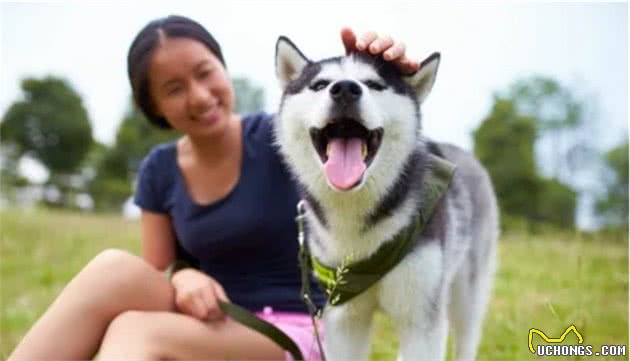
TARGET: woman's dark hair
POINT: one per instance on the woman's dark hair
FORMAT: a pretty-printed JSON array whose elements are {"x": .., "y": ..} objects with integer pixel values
[{"x": 142, "y": 48}]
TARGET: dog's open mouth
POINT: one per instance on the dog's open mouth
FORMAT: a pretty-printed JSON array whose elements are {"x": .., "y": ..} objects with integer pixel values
[{"x": 346, "y": 149}]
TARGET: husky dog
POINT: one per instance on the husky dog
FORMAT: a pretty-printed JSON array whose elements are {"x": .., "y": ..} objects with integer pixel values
[{"x": 349, "y": 129}]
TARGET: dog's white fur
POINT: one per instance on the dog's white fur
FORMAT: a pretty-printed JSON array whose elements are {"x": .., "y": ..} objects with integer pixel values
[{"x": 417, "y": 293}]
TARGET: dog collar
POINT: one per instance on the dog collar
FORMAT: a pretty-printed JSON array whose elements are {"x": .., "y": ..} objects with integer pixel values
[{"x": 344, "y": 282}]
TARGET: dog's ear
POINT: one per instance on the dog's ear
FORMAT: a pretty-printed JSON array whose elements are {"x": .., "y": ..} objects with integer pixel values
[
  {"x": 289, "y": 61},
  {"x": 422, "y": 80}
]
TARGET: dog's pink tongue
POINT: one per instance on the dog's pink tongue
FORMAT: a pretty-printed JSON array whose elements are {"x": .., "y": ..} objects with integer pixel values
[{"x": 345, "y": 166}]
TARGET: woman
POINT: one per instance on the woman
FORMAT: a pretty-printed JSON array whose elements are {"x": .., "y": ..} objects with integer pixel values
[{"x": 220, "y": 197}]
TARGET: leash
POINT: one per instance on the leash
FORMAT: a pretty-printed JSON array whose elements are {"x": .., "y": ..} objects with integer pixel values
[
  {"x": 304, "y": 259},
  {"x": 246, "y": 318}
]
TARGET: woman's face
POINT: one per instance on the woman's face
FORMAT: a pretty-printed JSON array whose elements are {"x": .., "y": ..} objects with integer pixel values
[{"x": 190, "y": 87}]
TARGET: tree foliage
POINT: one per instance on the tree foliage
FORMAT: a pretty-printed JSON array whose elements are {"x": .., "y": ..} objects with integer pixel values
[
  {"x": 613, "y": 205},
  {"x": 117, "y": 166},
  {"x": 249, "y": 97},
  {"x": 504, "y": 143},
  {"x": 538, "y": 145},
  {"x": 553, "y": 106},
  {"x": 556, "y": 203},
  {"x": 565, "y": 146},
  {"x": 50, "y": 124}
]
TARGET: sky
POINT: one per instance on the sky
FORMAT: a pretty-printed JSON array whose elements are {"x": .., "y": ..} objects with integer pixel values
[{"x": 484, "y": 48}]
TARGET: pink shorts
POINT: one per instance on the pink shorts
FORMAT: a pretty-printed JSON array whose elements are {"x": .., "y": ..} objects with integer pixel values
[{"x": 299, "y": 327}]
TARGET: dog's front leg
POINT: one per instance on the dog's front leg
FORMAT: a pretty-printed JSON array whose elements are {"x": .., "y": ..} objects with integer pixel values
[
  {"x": 414, "y": 295},
  {"x": 348, "y": 331},
  {"x": 424, "y": 339}
]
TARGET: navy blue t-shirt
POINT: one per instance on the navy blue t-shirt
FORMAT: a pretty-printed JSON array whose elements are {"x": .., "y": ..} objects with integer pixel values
[{"x": 247, "y": 240}]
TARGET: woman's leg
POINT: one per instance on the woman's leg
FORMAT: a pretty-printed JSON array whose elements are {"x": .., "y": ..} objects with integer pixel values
[
  {"x": 74, "y": 325},
  {"x": 141, "y": 335}
]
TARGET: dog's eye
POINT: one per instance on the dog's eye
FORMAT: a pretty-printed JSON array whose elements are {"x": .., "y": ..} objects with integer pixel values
[
  {"x": 374, "y": 85},
  {"x": 319, "y": 85}
]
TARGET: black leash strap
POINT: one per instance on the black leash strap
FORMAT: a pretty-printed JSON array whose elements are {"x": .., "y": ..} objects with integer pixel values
[
  {"x": 304, "y": 259},
  {"x": 246, "y": 318}
]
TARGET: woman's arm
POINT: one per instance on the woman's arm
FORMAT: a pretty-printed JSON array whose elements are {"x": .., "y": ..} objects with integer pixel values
[
  {"x": 158, "y": 239},
  {"x": 196, "y": 293}
]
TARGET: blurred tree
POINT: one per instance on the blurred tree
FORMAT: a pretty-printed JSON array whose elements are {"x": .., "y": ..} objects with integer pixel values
[
  {"x": 52, "y": 126},
  {"x": 561, "y": 144},
  {"x": 117, "y": 166},
  {"x": 111, "y": 184},
  {"x": 564, "y": 142},
  {"x": 249, "y": 97},
  {"x": 613, "y": 206},
  {"x": 556, "y": 203},
  {"x": 544, "y": 98},
  {"x": 10, "y": 178},
  {"x": 504, "y": 143}
]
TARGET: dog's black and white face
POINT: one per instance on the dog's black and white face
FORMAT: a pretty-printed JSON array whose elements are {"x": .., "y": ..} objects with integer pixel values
[{"x": 348, "y": 123}]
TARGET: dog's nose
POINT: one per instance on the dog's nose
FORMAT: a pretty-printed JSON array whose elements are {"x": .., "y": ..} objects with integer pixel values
[{"x": 345, "y": 91}]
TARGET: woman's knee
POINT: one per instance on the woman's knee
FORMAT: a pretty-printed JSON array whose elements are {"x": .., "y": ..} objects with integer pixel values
[
  {"x": 113, "y": 258},
  {"x": 132, "y": 334},
  {"x": 127, "y": 325},
  {"x": 125, "y": 281},
  {"x": 167, "y": 335}
]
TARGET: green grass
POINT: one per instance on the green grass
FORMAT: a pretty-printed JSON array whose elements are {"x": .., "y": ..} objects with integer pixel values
[{"x": 547, "y": 281}]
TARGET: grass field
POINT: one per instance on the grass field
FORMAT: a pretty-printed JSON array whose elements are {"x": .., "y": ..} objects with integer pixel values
[{"x": 546, "y": 282}]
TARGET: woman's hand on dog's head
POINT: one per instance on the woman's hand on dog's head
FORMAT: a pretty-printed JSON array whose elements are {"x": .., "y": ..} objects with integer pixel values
[
  {"x": 198, "y": 295},
  {"x": 374, "y": 43}
]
